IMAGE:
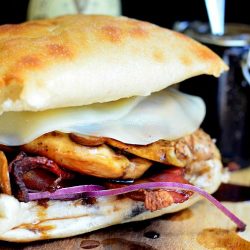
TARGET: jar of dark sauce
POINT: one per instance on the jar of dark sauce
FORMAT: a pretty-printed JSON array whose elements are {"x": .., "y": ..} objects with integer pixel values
[{"x": 227, "y": 98}]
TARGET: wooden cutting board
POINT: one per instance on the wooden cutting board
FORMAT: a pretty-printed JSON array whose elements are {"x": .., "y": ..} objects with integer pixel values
[{"x": 200, "y": 227}]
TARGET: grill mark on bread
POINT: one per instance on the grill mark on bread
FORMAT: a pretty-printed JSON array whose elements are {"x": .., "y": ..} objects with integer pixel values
[
  {"x": 115, "y": 34},
  {"x": 158, "y": 55},
  {"x": 30, "y": 61},
  {"x": 59, "y": 50},
  {"x": 14, "y": 89},
  {"x": 138, "y": 32},
  {"x": 11, "y": 78},
  {"x": 186, "y": 60},
  {"x": 112, "y": 33},
  {"x": 202, "y": 53},
  {"x": 11, "y": 28}
]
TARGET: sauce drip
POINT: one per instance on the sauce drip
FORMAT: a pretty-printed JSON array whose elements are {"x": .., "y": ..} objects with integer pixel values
[
  {"x": 38, "y": 228},
  {"x": 233, "y": 193},
  {"x": 89, "y": 244},
  {"x": 43, "y": 203},
  {"x": 213, "y": 238},
  {"x": 152, "y": 235}
]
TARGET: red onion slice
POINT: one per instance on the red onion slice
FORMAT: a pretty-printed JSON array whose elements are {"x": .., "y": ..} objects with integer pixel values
[
  {"x": 98, "y": 191},
  {"x": 64, "y": 193},
  {"x": 171, "y": 185}
]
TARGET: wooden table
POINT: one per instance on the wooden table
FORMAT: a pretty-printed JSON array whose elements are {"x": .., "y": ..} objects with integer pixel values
[{"x": 200, "y": 227}]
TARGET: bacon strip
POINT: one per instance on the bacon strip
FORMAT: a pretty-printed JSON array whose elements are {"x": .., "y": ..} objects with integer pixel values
[
  {"x": 157, "y": 199},
  {"x": 41, "y": 174},
  {"x": 22, "y": 165}
]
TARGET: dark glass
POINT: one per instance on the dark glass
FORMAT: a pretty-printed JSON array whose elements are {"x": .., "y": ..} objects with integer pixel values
[{"x": 228, "y": 98}]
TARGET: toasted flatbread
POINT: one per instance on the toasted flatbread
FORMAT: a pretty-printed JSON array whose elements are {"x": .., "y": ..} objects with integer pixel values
[{"x": 84, "y": 59}]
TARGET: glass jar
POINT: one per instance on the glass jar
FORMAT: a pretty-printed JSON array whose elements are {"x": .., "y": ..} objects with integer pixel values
[
  {"x": 231, "y": 119},
  {"x": 40, "y": 9}
]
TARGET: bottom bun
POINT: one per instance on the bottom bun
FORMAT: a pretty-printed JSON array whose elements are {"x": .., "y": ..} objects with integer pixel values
[{"x": 25, "y": 222}]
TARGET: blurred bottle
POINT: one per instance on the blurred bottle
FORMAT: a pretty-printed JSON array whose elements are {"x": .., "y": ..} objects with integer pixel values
[
  {"x": 228, "y": 100},
  {"x": 39, "y": 9}
]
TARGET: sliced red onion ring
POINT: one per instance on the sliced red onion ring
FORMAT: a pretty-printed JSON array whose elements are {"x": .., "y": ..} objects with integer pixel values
[
  {"x": 65, "y": 193},
  {"x": 170, "y": 185},
  {"x": 98, "y": 191}
]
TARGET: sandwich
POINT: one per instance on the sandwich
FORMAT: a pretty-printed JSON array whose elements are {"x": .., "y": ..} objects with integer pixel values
[{"x": 92, "y": 134}]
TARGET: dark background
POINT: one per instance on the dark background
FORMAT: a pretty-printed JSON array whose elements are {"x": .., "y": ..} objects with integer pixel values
[
  {"x": 165, "y": 13},
  {"x": 162, "y": 12}
]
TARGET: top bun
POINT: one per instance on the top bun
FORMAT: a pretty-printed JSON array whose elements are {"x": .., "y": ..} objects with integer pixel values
[{"x": 83, "y": 59}]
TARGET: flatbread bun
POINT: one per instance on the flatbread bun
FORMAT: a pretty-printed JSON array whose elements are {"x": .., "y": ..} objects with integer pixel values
[
  {"x": 83, "y": 59},
  {"x": 25, "y": 222}
]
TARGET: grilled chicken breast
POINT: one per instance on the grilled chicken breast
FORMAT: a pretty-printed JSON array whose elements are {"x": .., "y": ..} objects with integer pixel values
[{"x": 102, "y": 161}]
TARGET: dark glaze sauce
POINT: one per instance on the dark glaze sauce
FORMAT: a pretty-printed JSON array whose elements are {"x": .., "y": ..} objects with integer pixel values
[
  {"x": 213, "y": 238},
  {"x": 136, "y": 211},
  {"x": 42, "y": 206},
  {"x": 37, "y": 228},
  {"x": 89, "y": 244},
  {"x": 43, "y": 203},
  {"x": 117, "y": 244},
  {"x": 233, "y": 193},
  {"x": 121, "y": 181},
  {"x": 151, "y": 235}
]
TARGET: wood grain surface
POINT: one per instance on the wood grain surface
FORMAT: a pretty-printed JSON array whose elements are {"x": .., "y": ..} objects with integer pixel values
[{"x": 200, "y": 227}]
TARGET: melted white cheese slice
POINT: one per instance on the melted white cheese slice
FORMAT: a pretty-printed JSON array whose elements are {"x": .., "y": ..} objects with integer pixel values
[{"x": 168, "y": 114}]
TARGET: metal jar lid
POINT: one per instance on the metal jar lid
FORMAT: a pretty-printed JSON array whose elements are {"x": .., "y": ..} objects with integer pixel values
[{"x": 236, "y": 35}]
